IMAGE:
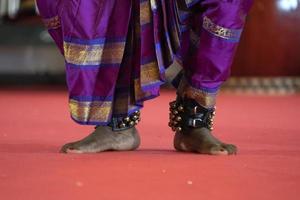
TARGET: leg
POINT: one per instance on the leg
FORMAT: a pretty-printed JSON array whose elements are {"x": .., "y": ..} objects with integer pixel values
[
  {"x": 86, "y": 43},
  {"x": 208, "y": 49},
  {"x": 111, "y": 67}
]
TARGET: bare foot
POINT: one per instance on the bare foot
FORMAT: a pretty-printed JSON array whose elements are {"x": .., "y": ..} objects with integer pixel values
[
  {"x": 104, "y": 139},
  {"x": 200, "y": 140}
]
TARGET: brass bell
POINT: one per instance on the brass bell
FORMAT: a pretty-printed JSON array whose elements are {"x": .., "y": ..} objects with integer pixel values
[
  {"x": 180, "y": 108},
  {"x": 131, "y": 123},
  {"x": 135, "y": 117},
  {"x": 126, "y": 119},
  {"x": 173, "y": 104},
  {"x": 122, "y": 125},
  {"x": 175, "y": 112},
  {"x": 136, "y": 122},
  {"x": 178, "y": 118},
  {"x": 178, "y": 129}
]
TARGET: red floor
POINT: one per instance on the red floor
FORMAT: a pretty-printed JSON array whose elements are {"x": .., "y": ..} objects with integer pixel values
[{"x": 35, "y": 123}]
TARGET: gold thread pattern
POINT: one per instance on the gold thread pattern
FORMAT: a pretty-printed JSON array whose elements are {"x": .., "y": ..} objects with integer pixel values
[
  {"x": 205, "y": 99},
  {"x": 86, "y": 111},
  {"x": 96, "y": 54},
  {"x": 52, "y": 23},
  {"x": 145, "y": 13},
  {"x": 149, "y": 73},
  {"x": 219, "y": 31}
]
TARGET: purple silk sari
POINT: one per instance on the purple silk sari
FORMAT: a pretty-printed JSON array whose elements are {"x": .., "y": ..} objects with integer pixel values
[{"x": 116, "y": 51}]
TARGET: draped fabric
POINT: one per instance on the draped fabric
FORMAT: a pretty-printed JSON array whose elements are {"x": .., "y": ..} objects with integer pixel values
[{"x": 116, "y": 51}]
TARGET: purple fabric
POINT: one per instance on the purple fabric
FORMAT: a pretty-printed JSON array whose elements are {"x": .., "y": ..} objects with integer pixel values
[
  {"x": 116, "y": 51},
  {"x": 207, "y": 64}
]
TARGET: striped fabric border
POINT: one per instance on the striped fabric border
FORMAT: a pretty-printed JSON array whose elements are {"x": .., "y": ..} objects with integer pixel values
[
  {"x": 87, "y": 112},
  {"x": 222, "y": 32},
  {"x": 145, "y": 13},
  {"x": 94, "y": 52}
]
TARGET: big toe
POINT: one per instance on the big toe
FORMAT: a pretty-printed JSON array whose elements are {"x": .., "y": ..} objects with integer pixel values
[
  {"x": 69, "y": 148},
  {"x": 218, "y": 150},
  {"x": 232, "y": 149}
]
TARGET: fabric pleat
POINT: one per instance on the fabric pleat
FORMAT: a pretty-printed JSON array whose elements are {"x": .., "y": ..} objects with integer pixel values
[{"x": 116, "y": 52}]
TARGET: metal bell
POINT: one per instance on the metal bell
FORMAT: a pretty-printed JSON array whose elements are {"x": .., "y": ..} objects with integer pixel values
[
  {"x": 180, "y": 108},
  {"x": 175, "y": 112},
  {"x": 178, "y": 129},
  {"x": 178, "y": 119},
  {"x": 122, "y": 125},
  {"x": 131, "y": 123},
  {"x": 126, "y": 119},
  {"x": 173, "y": 104}
]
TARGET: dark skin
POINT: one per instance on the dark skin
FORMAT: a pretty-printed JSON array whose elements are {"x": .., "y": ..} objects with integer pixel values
[
  {"x": 104, "y": 139},
  {"x": 200, "y": 140},
  {"x": 197, "y": 140}
]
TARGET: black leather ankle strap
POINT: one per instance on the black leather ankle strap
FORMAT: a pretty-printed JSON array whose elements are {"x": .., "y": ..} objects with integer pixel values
[
  {"x": 123, "y": 123},
  {"x": 187, "y": 113}
]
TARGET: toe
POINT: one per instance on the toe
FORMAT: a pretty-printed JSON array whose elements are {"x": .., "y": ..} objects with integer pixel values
[
  {"x": 232, "y": 149},
  {"x": 74, "y": 151},
  {"x": 67, "y": 148},
  {"x": 219, "y": 150}
]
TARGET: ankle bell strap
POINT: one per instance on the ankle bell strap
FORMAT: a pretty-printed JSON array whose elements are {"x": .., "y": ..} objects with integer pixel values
[
  {"x": 120, "y": 124},
  {"x": 188, "y": 113}
]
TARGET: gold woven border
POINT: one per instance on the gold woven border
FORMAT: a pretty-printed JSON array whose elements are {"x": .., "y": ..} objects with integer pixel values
[
  {"x": 85, "y": 111},
  {"x": 52, "y": 23},
  {"x": 145, "y": 12},
  {"x": 205, "y": 99},
  {"x": 219, "y": 31},
  {"x": 80, "y": 54},
  {"x": 149, "y": 73}
]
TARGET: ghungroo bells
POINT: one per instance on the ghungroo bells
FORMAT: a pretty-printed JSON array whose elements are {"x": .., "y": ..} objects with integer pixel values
[
  {"x": 189, "y": 114},
  {"x": 119, "y": 124}
]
